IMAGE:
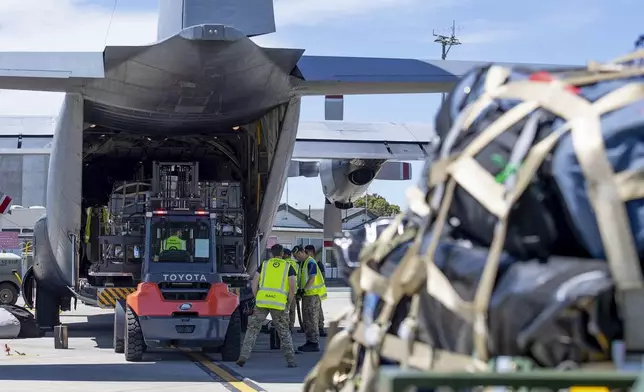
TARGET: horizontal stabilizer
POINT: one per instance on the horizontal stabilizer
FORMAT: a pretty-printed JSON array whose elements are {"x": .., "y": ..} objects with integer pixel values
[
  {"x": 395, "y": 171},
  {"x": 351, "y": 140},
  {"x": 329, "y": 75},
  {"x": 49, "y": 71},
  {"x": 313, "y": 75},
  {"x": 304, "y": 169}
]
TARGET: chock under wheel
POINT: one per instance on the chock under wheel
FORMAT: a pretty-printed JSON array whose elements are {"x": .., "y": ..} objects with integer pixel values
[{"x": 61, "y": 337}]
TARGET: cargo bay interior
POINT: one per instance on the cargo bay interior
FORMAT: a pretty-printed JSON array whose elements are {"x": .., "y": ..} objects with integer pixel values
[{"x": 233, "y": 166}]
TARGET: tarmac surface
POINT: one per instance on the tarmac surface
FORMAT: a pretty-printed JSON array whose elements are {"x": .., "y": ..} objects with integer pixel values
[{"x": 90, "y": 364}]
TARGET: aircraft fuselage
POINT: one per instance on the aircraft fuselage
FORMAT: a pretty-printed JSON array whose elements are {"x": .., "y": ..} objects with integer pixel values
[
  {"x": 208, "y": 94},
  {"x": 184, "y": 84}
]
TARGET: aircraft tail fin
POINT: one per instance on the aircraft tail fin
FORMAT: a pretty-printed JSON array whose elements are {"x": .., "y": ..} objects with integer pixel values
[{"x": 253, "y": 17}]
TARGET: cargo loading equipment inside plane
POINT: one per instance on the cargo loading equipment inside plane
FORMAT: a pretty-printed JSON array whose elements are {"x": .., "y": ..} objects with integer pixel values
[
  {"x": 170, "y": 262},
  {"x": 167, "y": 253},
  {"x": 115, "y": 235}
]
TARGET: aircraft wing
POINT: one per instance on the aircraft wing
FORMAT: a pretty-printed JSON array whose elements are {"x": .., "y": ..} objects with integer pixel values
[
  {"x": 331, "y": 75},
  {"x": 390, "y": 170},
  {"x": 49, "y": 71},
  {"x": 351, "y": 140}
]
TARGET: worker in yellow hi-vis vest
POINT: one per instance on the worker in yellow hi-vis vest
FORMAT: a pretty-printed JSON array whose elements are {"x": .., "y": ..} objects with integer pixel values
[
  {"x": 312, "y": 290},
  {"x": 292, "y": 305},
  {"x": 273, "y": 286},
  {"x": 174, "y": 242},
  {"x": 310, "y": 250}
]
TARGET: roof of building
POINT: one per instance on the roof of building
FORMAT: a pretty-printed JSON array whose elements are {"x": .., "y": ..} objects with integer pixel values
[
  {"x": 27, "y": 125},
  {"x": 315, "y": 216}
]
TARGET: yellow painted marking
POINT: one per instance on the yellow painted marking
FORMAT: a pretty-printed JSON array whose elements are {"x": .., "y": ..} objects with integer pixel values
[
  {"x": 229, "y": 378},
  {"x": 108, "y": 297},
  {"x": 589, "y": 389}
]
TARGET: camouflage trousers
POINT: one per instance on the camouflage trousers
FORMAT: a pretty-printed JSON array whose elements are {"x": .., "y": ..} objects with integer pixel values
[
  {"x": 320, "y": 316},
  {"x": 280, "y": 322},
  {"x": 292, "y": 313},
  {"x": 311, "y": 317}
]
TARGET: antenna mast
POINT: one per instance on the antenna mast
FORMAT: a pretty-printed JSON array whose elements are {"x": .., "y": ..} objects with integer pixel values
[{"x": 446, "y": 43}]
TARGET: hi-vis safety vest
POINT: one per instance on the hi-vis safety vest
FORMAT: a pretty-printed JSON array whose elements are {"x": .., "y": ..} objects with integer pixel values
[
  {"x": 174, "y": 243},
  {"x": 105, "y": 217},
  {"x": 293, "y": 264},
  {"x": 88, "y": 224},
  {"x": 273, "y": 285},
  {"x": 318, "y": 288}
]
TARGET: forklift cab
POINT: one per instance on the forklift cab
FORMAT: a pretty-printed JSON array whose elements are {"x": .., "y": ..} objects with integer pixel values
[
  {"x": 182, "y": 241},
  {"x": 182, "y": 300}
]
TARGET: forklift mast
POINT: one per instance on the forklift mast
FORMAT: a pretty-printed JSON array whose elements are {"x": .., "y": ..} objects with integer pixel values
[
  {"x": 123, "y": 249},
  {"x": 176, "y": 190},
  {"x": 175, "y": 186}
]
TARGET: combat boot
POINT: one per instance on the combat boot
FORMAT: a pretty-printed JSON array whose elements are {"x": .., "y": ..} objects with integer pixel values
[{"x": 309, "y": 347}]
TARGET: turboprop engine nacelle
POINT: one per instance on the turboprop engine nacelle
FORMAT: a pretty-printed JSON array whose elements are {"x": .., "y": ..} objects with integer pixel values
[{"x": 345, "y": 180}]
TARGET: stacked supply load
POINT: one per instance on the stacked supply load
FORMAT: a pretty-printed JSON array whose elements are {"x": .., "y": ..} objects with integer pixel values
[{"x": 524, "y": 239}]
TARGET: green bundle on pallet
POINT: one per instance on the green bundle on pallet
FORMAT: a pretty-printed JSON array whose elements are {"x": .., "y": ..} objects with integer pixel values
[{"x": 524, "y": 240}]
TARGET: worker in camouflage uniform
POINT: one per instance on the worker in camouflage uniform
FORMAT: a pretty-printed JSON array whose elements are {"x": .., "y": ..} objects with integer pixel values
[
  {"x": 292, "y": 305},
  {"x": 274, "y": 285},
  {"x": 311, "y": 290},
  {"x": 310, "y": 250}
]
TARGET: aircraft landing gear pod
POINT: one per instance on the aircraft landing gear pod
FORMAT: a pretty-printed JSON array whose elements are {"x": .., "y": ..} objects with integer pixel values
[{"x": 182, "y": 299}]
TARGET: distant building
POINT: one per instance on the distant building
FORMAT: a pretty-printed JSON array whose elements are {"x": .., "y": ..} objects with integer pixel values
[
  {"x": 21, "y": 220},
  {"x": 17, "y": 228},
  {"x": 24, "y": 177},
  {"x": 293, "y": 226}
]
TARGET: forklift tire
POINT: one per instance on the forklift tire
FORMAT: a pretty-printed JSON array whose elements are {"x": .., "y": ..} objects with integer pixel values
[
  {"x": 119, "y": 326},
  {"x": 8, "y": 294},
  {"x": 119, "y": 345},
  {"x": 134, "y": 343},
  {"x": 231, "y": 349}
]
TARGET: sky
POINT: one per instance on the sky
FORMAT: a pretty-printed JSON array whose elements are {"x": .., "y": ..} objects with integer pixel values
[{"x": 548, "y": 31}]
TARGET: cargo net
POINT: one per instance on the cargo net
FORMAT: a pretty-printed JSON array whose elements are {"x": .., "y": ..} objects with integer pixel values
[
  {"x": 125, "y": 212},
  {"x": 353, "y": 355}
]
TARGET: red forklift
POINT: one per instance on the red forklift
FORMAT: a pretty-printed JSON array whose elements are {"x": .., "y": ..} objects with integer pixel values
[{"x": 183, "y": 300}]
